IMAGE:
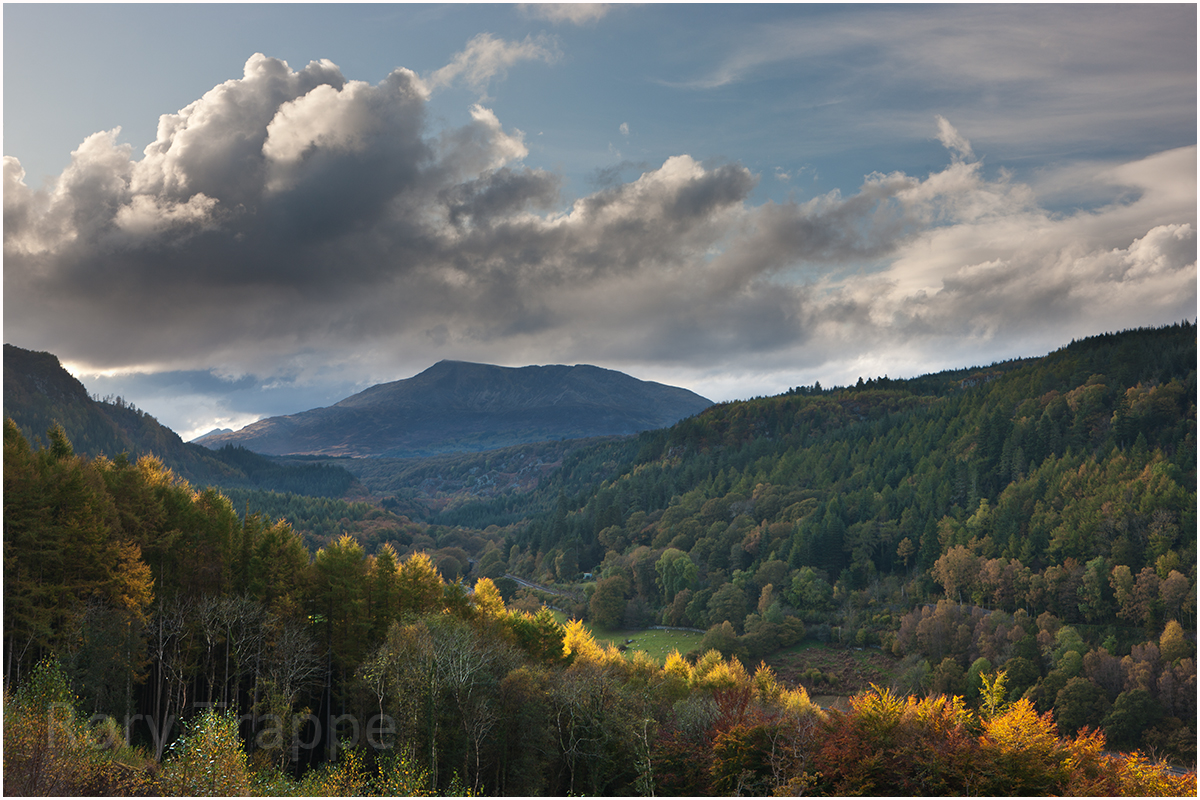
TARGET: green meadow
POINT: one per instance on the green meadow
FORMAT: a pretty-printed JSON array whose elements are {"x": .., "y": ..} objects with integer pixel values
[{"x": 658, "y": 644}]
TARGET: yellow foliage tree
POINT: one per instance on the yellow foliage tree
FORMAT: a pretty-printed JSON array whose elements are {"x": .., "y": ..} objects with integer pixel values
[
  {"x": 46, "y": 747},
  {"x": 579, "y": 643},
  {"x": 400, "y": 776},
  {"x": 419, "y": 585},
  {"x": 346, "y": 778},
  {"x": 1137, "y": 776},
  {"x": 1022, "y": 751},
  {"x": 714, "y": 674},
  {"x": 487, "y": 601},
  {"x": 675, "y": 677}
]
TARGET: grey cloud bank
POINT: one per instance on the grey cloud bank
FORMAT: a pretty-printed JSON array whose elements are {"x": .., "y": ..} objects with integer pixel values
[{"x": 297, "y": 228}]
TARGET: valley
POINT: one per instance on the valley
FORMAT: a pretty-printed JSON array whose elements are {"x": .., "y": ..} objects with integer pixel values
[{"x": 1029, "y": 524}]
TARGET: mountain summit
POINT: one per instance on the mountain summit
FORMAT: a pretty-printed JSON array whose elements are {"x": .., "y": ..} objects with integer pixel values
[{"x": 457, "y": 406}]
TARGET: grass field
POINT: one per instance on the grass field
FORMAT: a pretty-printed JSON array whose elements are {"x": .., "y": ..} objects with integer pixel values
[
  {"x": 657, "y": 644},
  {"x": 843, "y": 672}
]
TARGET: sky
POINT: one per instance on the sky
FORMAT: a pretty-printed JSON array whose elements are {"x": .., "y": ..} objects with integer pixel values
[{"x": 228, "y": 212}]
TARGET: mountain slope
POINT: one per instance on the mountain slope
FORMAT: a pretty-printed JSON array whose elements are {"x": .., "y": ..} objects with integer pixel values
[
  {"x": 901, "y": 452},
  {"x": 39, "y": 393},
  {"x": 456, "y": 406}
]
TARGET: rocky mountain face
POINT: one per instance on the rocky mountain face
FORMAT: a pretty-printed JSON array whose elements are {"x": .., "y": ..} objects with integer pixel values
[{"x": 456, "y": 406}]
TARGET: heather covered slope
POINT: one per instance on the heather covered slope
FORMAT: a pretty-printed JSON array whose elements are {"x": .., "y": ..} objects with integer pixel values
[{"x": 456, "y": 406}]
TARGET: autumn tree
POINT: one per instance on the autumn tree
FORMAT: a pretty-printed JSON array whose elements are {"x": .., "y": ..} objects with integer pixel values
[
  {"x": 607, "y": 605},
  {"x": 419, "y": 586}
]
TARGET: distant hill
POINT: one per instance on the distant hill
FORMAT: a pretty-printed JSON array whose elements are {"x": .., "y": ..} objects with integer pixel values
[
  {"x": 39, "y": 393},
  {"x": 216, "y": 431},
  {"x": 455, "y": 406}
]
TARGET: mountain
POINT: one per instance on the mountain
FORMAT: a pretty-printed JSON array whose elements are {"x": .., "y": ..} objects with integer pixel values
[
  {"x": 215, "y": 432},
  {"x": 39, "y": 393},
  {"x": 456, "y": 406}
]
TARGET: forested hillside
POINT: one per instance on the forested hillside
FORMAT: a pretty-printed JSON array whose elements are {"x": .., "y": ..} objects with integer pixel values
[
  {"x": 39, "y": 394},
  {"x": 1008, "y": 516},
  {"x": 1020, "y": 538}
]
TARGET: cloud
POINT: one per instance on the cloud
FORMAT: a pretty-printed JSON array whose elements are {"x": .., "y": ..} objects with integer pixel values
[
  {"x": 487, "y": 57},
  {"x": 300, "y": 227},
  {"x": 574, "y": 13},
  {"x": 624, "y": 129},
  {"x": 1006, "y": 269},
  {"x": 952, "y": 140},
  {"x": 1038, "y": 77},
  {"x": 964, "y": 46}
]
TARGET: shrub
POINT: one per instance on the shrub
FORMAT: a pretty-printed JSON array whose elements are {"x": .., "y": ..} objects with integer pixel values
[
  {"x": 49, "y": 750},
  {"x": 208, "y": 760},
  {"x": 890, "y": 745},
  {"x": 400, "y": 776}
]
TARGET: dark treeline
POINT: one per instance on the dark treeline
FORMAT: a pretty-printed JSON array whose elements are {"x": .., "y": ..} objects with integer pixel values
[
  {"x": 157, "y": 600},
  {"x": 266, "y": 474}
]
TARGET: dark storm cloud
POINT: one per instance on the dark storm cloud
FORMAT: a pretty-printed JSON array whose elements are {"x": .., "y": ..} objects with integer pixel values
[{"x": 498, "y": 194}]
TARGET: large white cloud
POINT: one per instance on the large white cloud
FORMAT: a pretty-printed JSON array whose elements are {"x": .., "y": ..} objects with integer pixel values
[{"x": 291, "y": 220}]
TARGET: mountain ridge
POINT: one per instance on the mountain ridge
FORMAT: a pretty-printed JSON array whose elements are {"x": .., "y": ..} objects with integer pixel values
[{"x": 462, "y": 406}]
